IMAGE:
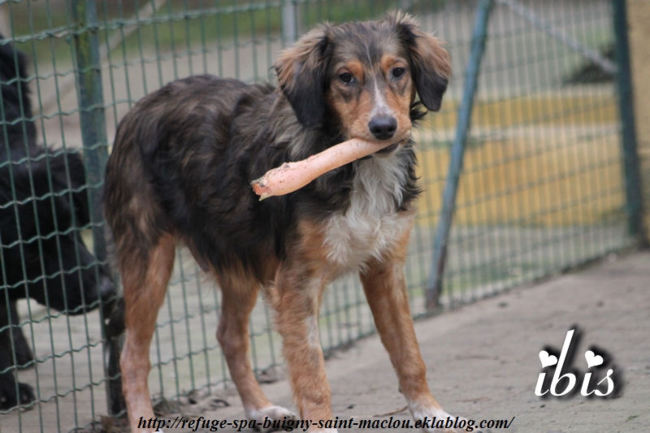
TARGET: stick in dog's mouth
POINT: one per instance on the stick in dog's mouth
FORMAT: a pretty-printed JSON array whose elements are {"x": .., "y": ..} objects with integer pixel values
[{"x": 291, "y": 176}]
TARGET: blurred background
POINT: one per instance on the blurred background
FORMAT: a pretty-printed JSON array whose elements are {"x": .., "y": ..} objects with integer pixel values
[{"x": 552, "y": 173}]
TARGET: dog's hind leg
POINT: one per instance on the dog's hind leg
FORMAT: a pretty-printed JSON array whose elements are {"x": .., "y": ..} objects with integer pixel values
[
  {"x": 22, "y": 348},
  {"x": 239, "y": 293},
  {"x": 144, "y": 285}
]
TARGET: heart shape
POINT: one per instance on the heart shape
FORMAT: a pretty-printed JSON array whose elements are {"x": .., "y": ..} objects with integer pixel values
[
  {"x": 593, "y": 360},
  {"x": 546, "y": 359}
]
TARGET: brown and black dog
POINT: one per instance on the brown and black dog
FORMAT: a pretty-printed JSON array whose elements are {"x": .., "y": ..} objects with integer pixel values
[{"x": 180, "y": 172}]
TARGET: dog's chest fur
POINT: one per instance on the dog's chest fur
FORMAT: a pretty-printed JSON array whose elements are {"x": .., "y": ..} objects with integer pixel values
[{"x": 371, "y": 224}]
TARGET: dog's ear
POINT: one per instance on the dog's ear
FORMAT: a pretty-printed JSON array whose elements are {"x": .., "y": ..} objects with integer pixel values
[
  {"x": 429, "y": 61},
  {"x": 302, "y": 75}
]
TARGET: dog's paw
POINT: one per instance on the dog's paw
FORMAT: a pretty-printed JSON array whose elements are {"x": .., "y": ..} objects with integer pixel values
[
  {"x": 436, "y": 420},
  {"x": 265, "y": 416},
  {"x": 26, "y": 393},
  {"x": 24, "y": 354},
  {"x": 9, "y": 399}
]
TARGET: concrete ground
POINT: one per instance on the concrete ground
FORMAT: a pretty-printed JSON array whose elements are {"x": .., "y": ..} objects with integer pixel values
[{"x": 483, "y": 358}]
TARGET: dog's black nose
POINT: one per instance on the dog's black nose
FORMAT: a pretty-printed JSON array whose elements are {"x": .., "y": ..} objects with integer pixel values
[{"x": 382, "y": 127}]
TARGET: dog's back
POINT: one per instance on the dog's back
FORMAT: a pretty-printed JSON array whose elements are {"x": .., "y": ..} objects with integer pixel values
[
  {"x": 182, "y": 162},
  {"x": 17, "y": 129}
]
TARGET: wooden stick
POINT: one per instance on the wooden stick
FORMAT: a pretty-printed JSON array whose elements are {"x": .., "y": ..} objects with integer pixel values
[{"x": 291, "y": 176}]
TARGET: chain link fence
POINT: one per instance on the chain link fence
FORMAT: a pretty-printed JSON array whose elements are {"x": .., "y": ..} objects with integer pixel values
[{"x": 545, "y": 184}]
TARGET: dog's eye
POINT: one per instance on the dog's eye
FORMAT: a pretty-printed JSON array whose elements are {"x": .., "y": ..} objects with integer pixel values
[
  {"x": 346, "y": 77},
  {"x": 398, "y": 72}
]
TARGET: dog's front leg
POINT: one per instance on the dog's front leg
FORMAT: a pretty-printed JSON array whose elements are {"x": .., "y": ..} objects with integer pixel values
[
  {"x": 385, "y": 288},
  {"x": 297, "y": 300}
]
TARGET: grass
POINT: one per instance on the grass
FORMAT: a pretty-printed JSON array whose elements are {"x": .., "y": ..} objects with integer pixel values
[
  {"x": 567, "y": 107},
  {"x": 555, "y": 163},
  {"x": 184, "y": 23}
]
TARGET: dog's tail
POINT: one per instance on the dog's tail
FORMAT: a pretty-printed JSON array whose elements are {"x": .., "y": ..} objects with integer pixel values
[{"x": 17, "y": 129}]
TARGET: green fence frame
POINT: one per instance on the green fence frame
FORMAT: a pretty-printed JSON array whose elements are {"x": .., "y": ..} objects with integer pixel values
[
  {"x": 634, "y": 201},
  {"x": 479, "y": 39},
  {"x": 112, "y": 53}
]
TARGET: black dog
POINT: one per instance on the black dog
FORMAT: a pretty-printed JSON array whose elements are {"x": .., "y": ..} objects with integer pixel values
[{"x": 43, "y": 202}]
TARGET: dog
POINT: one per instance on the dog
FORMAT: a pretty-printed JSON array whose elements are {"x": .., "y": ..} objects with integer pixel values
[
  {"x": 180, "y": 173},
  {"x": 43, "y": 203}
]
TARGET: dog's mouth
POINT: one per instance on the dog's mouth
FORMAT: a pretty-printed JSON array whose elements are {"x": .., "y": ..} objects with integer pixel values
[
  {"x": 388, "y": 149},
  {"x": 385, "y": 151}
]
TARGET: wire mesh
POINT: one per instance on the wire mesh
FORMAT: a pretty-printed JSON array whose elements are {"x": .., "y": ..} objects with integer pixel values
[{"x": 542, "y": 188}]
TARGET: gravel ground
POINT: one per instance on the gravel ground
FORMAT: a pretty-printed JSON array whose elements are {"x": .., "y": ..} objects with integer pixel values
[{"x": 483, "y": 358}]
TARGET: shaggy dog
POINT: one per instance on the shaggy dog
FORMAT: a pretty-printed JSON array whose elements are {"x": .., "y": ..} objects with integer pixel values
[{"x": 180, "y": 172}]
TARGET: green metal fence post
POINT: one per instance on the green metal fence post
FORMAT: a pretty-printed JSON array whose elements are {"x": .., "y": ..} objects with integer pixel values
[
  {"x": 93, "y": 134},
  {"x": 441, "y": 240},
  {"x": 91, "y": 111},
  {"x": 632, "y": 172}
]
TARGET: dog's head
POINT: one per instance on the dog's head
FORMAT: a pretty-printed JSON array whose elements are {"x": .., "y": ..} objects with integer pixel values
[
  {"x": 16, "y": 118},
  {"x": 366, "y": 74}
]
